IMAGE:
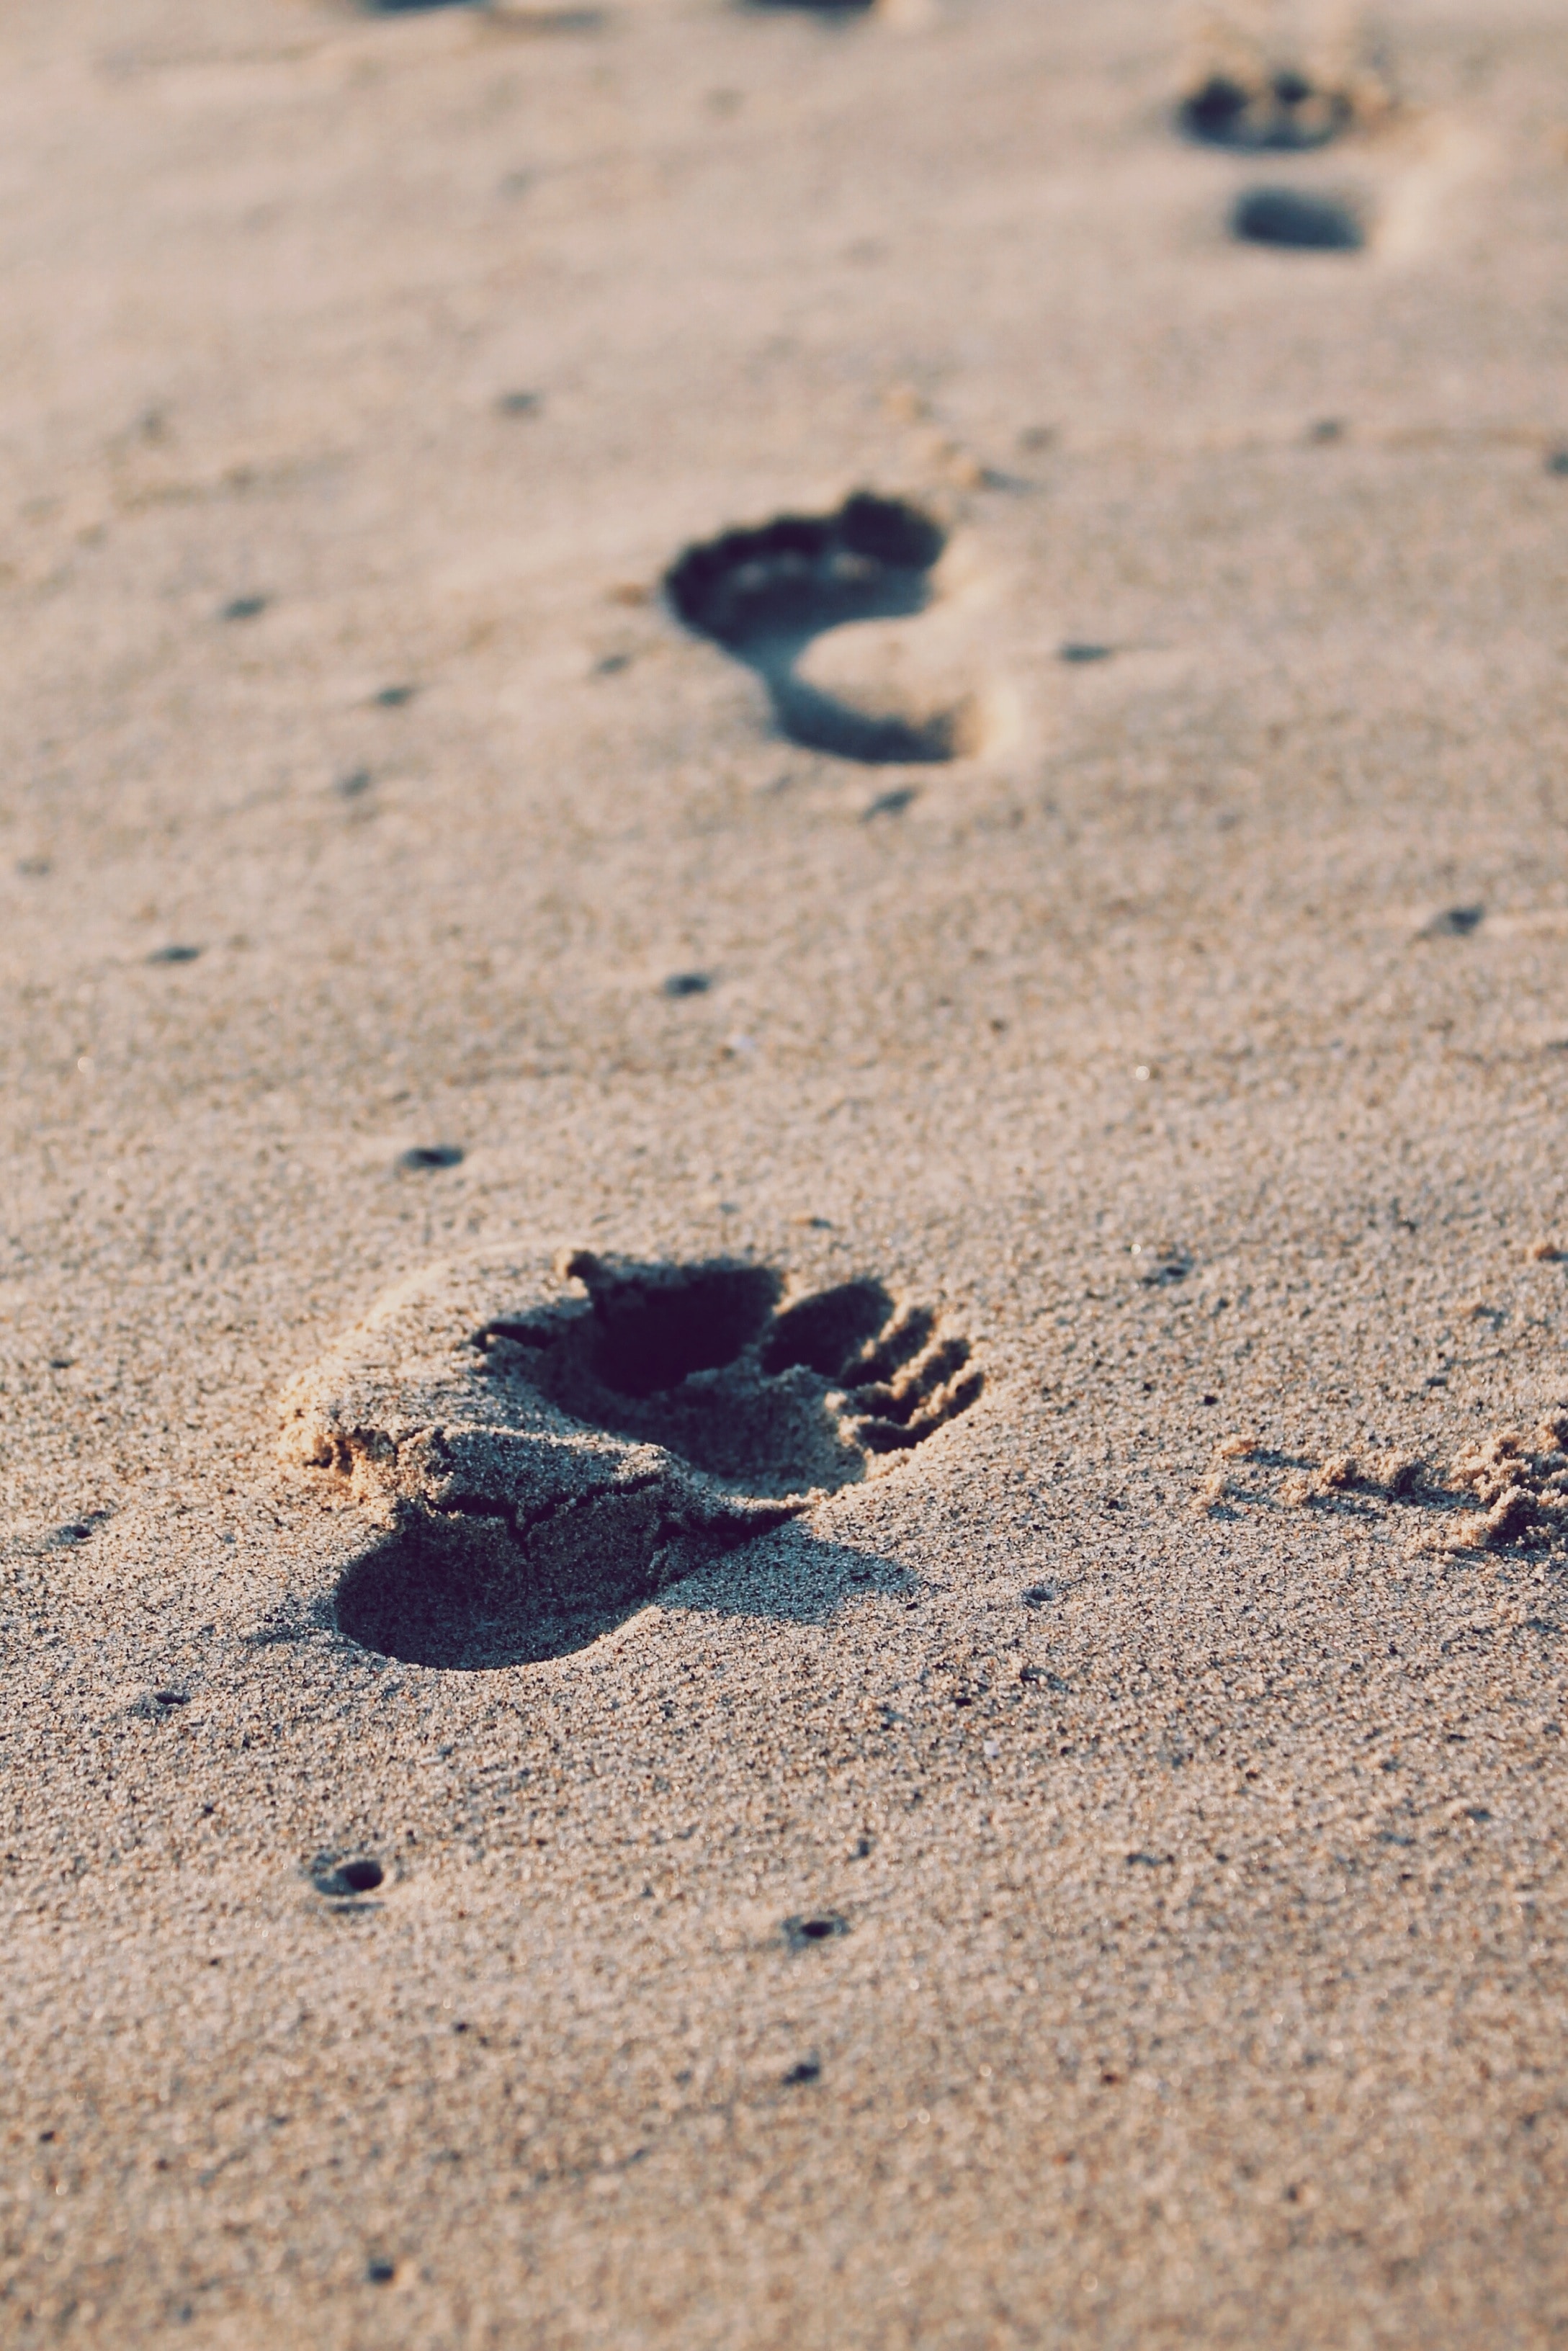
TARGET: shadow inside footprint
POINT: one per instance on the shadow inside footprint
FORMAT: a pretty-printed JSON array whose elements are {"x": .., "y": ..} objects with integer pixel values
[
  {"x": 432, "y": 1595},
  {"x": 604, "y": 1447},
  {"x": 1281, "y": 110},
  {"x": 765, "y": 594},
  {"x": 1297, "y": 221},
  {"x": 700, "y": 1360}
]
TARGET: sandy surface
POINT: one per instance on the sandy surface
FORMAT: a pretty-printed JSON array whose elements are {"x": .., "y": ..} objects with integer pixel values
[{"x": 1093, "y": 1872}]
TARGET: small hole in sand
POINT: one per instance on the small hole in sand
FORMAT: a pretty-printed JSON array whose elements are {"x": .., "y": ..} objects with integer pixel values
[
  {"x": 1457, "y": 921},
  {"x": 347, "y": 1878},
  {"x": 816, "y": 1927},
  {"x": 426, "y": 1155}
]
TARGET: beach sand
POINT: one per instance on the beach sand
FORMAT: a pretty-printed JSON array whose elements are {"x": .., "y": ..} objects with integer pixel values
[{"x": 1085, "y": 1867}]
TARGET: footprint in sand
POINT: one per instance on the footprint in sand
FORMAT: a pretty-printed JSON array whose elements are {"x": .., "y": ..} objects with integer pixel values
[
  {"x": 1255, "y": 93},
  {"x": 1246, "y": 91},
  {"x": 1298, "y": 220},
  {"x": 819, "y": 607},
  {"x": 549, "y": 1446}
]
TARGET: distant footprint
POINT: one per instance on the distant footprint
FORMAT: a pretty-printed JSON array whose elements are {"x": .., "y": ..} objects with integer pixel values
[
  {"x": 1298, "y": 220},
  {"x": 772, "y": 596},
  {"x": 550, "y": 1447},
  {"x": 1243, "y": 95},
  {"x": 1283, "y": 110}
]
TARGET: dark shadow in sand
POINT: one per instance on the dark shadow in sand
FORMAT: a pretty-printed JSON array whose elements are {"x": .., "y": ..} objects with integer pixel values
[
  {"x": 1277, "y": 113},
  {"x": 431, "y": 1596},
  {"x": 765, "y": 593},
  {"x": 1294, "y": 220}
]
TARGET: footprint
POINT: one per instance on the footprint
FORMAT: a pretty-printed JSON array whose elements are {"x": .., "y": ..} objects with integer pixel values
[
  {"x": 1298, "y": 220},
  {"x": 550, "y": 1447},
  {"x": 1283, "y": 110},
  {"x": 814, "y": 604},
  {"x": 1243, "y": 95}
]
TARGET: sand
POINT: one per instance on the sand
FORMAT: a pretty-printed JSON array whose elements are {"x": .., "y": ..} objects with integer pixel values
[{"x": 1090, "y": 1870}]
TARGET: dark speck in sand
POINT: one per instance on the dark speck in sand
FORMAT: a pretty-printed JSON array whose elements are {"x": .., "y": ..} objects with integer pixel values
[
  {"x": 342, "y": 1880},
  {"x": 423, "y": 1156},
  {"x": 818, "y": 1927},
  {"x": 1456, "y": 922}
]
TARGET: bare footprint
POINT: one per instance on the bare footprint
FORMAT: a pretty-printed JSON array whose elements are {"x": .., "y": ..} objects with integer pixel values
[
  {"x": 1254, "y": 92},
  {"x": 549, "y": 1446},
  {"x": 1300, "y": 220},
  {"x": 817, "y": 606}
]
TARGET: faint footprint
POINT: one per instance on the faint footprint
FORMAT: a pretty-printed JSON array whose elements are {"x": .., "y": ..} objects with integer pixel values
[
  {"x": 1251, "y": 93},
  {"x": 551, "y": 1447},
  {"x": 795, "y": 599}
]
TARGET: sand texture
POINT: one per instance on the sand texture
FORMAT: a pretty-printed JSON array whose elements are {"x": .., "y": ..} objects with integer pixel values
[{"x": 784, "y": 916}]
